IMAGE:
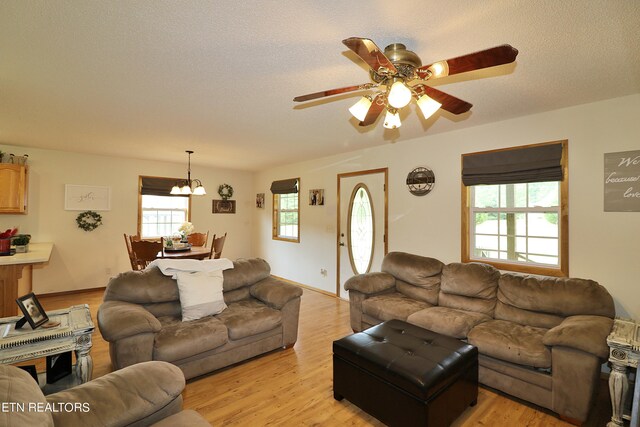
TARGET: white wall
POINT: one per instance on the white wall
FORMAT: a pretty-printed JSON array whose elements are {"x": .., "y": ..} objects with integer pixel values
[
  {"x": 83, "y": 259},
  {"x": 602, "y": 245}
]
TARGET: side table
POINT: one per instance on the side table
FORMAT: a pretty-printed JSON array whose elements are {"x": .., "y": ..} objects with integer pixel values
[
  {"x": 73, "y": 334},
  {"x": 624, "y": 352}
]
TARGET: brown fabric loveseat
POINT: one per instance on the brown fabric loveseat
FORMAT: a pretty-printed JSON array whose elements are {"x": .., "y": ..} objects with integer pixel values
[
  {"x": 540, "y": 338},
  {"x": 142, "y": 395},
  {"x": 141, "y": 319}
]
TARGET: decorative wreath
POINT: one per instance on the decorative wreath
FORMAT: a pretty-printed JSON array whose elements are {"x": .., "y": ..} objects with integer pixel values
[
  {"x": 225, "y": 191},
  {"x": 89, "y": 220}
]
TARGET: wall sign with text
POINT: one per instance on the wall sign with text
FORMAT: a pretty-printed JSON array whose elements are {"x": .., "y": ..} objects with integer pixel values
[{"x": 622, "y": 181}]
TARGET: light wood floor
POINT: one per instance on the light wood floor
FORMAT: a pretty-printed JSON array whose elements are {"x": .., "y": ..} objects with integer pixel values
[{"x": 294, "y": 387}]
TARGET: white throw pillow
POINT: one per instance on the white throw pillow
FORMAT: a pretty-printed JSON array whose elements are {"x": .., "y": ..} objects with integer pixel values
[{"x": 200, "y": 294}]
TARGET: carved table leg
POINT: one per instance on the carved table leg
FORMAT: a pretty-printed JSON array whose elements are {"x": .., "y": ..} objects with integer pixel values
[
  {"x": 618, "y": 387},
  {"x": 84, "y": 364}
]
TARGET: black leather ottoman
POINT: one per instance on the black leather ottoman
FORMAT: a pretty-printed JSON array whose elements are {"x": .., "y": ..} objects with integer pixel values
[{"x": 405, "y": 375}]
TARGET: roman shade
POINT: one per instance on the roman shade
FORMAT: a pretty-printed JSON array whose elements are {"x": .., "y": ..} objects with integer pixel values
[
  {"x": 157, "y": 186},
  {"x": 285, "y": 186},
  {"x": 520, "y": 165}
]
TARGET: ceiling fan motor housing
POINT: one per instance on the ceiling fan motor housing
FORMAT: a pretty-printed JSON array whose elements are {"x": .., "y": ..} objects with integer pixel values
[{"x": 404, "y": 60}]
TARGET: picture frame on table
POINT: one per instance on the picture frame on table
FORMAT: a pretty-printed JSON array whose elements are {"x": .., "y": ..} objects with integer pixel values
[{"x": 32, "y": 311}]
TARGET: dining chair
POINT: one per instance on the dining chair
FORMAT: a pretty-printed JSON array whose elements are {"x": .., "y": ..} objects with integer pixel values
[
  {"x": 132, "y": 259},
  {"x": 198, "y": 239},
  {"x": 145, "y": 251},
  {"x": 216, "y": 246}
]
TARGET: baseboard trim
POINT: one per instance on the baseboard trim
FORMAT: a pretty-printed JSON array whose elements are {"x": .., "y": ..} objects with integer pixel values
[
  {"x": 311, "y": 288},
  {"x": 76, "y": 291}
]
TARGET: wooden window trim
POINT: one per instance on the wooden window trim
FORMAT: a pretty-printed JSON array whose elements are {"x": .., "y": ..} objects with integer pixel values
[
  {"x": 274, "y": 218},
  {"x": 563, "y": 236}
]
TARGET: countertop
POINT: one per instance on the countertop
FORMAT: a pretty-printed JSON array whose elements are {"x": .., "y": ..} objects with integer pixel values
[{"x": 38, "y": 252}]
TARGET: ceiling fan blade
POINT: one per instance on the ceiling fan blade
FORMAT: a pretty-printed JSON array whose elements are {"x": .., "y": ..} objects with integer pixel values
[
  {"x": 370, "y": 53},
  {"x": 498, "y": 55},
  {"x": 377, "y": 105},
  {"x": 449, "y": 102},
  {"x": 330, "y": 92}
]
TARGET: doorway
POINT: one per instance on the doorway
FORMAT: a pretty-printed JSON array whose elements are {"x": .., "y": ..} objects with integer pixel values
[{"x": 362, "y": 235}]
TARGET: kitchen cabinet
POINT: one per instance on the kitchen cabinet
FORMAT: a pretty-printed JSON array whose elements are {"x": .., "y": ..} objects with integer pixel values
[{"x": 13, "y": 188}]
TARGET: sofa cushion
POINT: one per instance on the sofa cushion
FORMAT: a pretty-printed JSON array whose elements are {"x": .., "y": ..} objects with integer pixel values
[
  {"x": 18, "y": 387},
  {"x": 521, "y": 297},
  {"x": 469, "y": 287},
  {"x": 200, "y": 294},
  {"x": 245, "y": 272},
  {"x": 249, "y": 317},
  {"x": 142, "y": 287},
  {"x": 447, "y": 321},
  {"x": 393, "y": 305},
  {"x": 178, "y": 340},
  {"x": 414, "y": 269},
  {"x": 511, "y": 342}
]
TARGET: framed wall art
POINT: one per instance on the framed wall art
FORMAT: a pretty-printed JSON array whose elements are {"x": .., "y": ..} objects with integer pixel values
[
  {"x": 87, "y": 198},
  {"x": 622, "y": 181},
  {"x": 316, "y": 197},
  {"x": 260, "y": 200},
  {"x": 224, "y": 206}
]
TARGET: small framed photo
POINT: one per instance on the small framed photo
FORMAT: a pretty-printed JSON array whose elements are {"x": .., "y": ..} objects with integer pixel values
[
  {"x": 260, "y": 200},
  {"x": 32, "y": 310},
  {"x": 316, "y": 197}
]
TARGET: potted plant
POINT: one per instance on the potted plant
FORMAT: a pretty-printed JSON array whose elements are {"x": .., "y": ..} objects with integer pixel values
[{"x": 21, "y": 242}]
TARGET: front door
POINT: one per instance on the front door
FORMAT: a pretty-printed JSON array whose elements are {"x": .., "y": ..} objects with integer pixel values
[{"x": 362, "y": 224}]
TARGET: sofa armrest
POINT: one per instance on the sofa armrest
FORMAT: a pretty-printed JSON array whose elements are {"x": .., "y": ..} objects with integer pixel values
[
  {"x": 119, "y": 319},
  {"x": 586, "y": 333},
  {"x": 274, "y": 292},
  {"x": 370, "y": 283},
  {"x": 145, "y": 391}
]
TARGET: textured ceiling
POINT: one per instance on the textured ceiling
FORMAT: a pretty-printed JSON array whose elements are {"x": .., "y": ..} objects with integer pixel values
[{"x": 149, "y": 79}]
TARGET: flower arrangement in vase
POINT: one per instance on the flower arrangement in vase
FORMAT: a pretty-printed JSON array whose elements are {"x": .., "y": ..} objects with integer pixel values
[{"x": 185, "y": 229}]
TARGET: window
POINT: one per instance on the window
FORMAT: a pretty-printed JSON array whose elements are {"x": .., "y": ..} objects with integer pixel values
[
  {"x": 286, "y": 212},
  {"x": 360, "y": 230},
  {"x": 520, "y": 226},
  {"x": 160, "y": 214}
]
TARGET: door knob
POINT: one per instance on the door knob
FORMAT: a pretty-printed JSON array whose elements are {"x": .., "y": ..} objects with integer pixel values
[{"x": 341, "y": 243}]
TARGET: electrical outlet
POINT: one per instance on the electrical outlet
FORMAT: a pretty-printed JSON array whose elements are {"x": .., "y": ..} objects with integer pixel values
[{"x": 323, "y": 272}]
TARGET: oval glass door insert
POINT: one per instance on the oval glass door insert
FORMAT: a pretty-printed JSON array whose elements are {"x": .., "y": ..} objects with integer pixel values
[{"x": 360, "y": 229}]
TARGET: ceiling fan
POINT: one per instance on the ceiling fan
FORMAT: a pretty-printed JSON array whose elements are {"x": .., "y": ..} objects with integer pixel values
[{"x": 399, "y": 76}]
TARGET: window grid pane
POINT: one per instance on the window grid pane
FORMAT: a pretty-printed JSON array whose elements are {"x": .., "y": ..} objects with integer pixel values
[
  {"x": 163, "y": 215},
  {"x": 516, "y": 223},
  {"x": 287, "y": 215}
]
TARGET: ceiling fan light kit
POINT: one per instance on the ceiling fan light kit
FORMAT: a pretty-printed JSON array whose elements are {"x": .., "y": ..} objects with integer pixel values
[{"x": 399, "y": 76}]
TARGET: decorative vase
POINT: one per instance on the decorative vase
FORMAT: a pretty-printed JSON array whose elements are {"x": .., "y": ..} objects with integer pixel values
[
  {"x": 184, "y": 239},
  {"x": 22, "y": 249}
]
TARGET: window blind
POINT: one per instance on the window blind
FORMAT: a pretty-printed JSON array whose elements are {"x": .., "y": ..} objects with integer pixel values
[
  {"x": 285, "y": 186},
  {"x": 519, "y": 165},
  {"x": 158, "y": 186}
]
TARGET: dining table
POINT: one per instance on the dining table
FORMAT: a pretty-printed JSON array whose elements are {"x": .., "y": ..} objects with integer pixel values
[{"x": 194, "y": 252}]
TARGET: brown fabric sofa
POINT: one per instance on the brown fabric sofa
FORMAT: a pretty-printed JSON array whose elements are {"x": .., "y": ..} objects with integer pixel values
[
  {"x": 141, "y": 319},
  {"x": 542, "y": 339},
  {"x": 141, "y": 395}
]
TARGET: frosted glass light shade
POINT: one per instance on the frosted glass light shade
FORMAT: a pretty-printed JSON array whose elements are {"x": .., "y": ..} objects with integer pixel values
[
  {"x": 392, "y": 120},
  {"x": 440, "y": 69},
  {"x": 399, "y": 95},
  {"x": 186, "y": 190},
  {"x": 199, "y": 191},
  {"x": 428, "y": 106},
  {"x": 360, "y": 109},
  {"x": 175, "y": 190}
]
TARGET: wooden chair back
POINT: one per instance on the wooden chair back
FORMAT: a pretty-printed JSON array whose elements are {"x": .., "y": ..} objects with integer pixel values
[
  {"x": 198, "y": 239},
  {"x": 216, "y": 246},
  {"x": 145, "y": 251},
  {"x": 132, "y": 259}
]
